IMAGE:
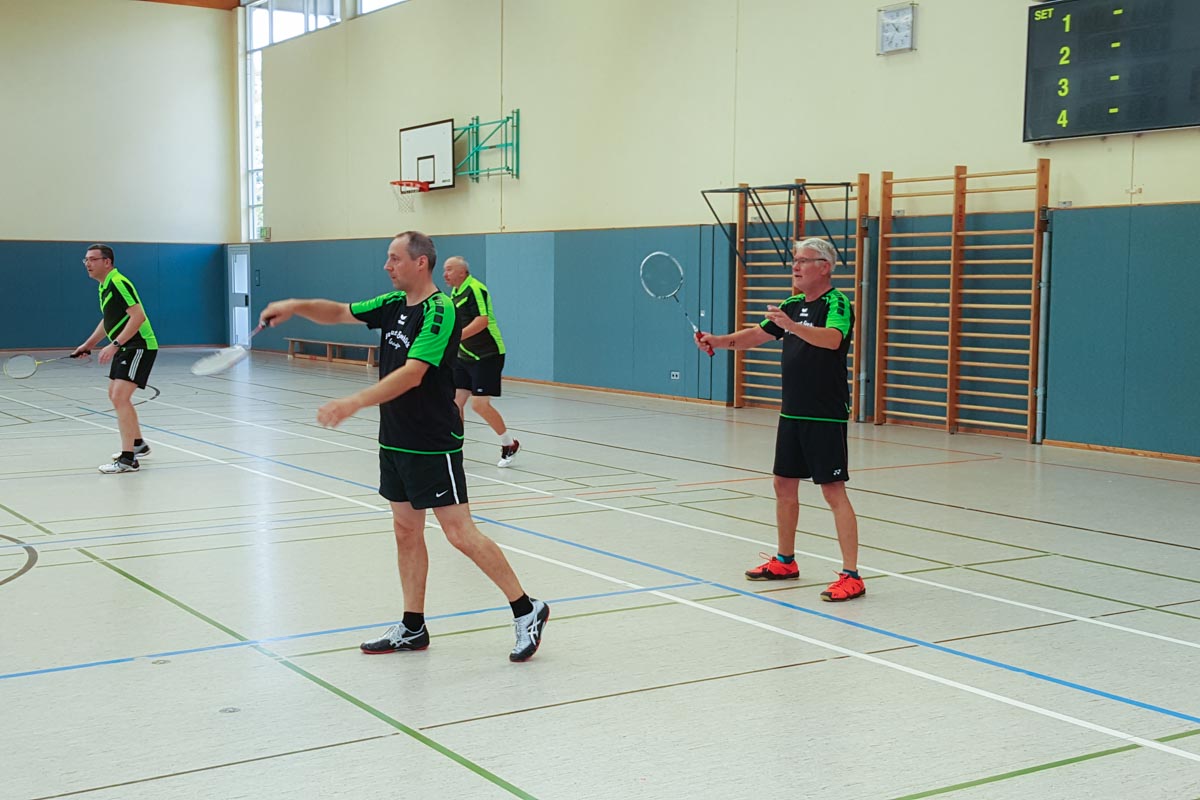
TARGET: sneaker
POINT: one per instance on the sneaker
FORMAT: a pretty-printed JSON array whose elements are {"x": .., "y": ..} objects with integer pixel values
[
  {"x": 117, "y": 466},
  {"x": 396, "y": 638},
  {"x": 507, "y": 453},
  {"x": 141, "y": 451},
  {"x": 774, "y": 570},
  {"x": 529, "y": 632},
  {"x": 844, "y": 588}
]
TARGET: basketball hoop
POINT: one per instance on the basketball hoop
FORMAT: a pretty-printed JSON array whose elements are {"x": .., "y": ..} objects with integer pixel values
[{"x": 406, "y": 194}]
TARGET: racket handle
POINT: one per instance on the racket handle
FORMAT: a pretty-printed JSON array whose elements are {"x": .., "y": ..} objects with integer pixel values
[
  {"x": 80, "y": 354},
  {"x": 706, "y": 347}
]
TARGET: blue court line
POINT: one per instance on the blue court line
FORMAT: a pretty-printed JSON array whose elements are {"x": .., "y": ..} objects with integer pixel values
[
  {"x": 746, "y": 593},
  {"x": 330, "y": 631},
  {"x": 156, "y": 532},
  {"x": 860, "y": 625},
  {"x": 242, "y": 452}
]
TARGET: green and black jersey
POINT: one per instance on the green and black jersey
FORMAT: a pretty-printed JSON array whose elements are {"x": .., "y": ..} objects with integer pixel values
[
  {"x": 471, "y": 300},
  {"x": 116, "y": 296},
  {"x": 424, "y": 419},
  {"x": 814, "y": 378}
]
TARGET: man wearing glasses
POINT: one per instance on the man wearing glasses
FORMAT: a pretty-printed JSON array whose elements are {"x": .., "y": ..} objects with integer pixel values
[
  {"x": 131, "y": 348},
  {"x": 815, "y": 324}
]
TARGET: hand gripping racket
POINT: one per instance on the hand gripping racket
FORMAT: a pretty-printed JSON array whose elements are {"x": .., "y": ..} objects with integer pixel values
[
  {"x": 662, "y": 278},
  {"x": 24, "y": 366},
  {"x": 224, "y": 358}
]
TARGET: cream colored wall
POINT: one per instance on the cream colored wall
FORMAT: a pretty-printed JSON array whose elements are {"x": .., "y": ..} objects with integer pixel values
[
  {"x": 119, "y": 122},
  {"x": 629, "y": 108}
]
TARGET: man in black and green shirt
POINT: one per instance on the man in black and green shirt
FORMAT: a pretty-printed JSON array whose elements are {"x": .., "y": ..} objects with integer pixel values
[
  {"x": 131, "y": 348},
  {"x": 815, "y": 324},
  {"x": 477, "y": 374},
  {"x": 420, "y": 436}
]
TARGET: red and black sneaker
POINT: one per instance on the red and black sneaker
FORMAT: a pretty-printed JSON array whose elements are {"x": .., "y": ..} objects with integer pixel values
[
  {"x": 844, "y": 588},
  {"x": 774, "y": 570}
]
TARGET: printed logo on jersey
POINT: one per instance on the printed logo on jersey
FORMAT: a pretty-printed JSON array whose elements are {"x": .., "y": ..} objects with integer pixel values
[{"x": 398, "y": 338}]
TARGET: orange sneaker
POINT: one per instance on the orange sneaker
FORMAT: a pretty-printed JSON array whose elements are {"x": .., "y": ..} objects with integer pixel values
[
  {"x": 773, "y": 570},
  {"x": 844, "y": 588}
]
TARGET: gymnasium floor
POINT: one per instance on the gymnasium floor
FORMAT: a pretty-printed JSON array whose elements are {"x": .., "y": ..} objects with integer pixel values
[{"x": 1031, "y": 628}]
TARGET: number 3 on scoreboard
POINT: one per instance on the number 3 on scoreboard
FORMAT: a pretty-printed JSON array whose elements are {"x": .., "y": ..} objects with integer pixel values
[
  {"x": 1062, "y": 118},
  {"x": 1064, "y": 87}
]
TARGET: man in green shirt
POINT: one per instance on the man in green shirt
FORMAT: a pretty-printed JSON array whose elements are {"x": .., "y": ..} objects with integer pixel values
[
  {"x": 131, "y": 348},
  {"x": 815, "y": 324},
  {"x": 477, "y": 373},
  {"x": 420, "y": 436}
]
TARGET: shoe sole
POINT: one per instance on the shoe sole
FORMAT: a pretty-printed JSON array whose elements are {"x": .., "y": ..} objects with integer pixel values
[
  {"x": 750, "y": 577},
  {"x": 828, "y": 599},
  {"x": 393, "y": 650},
  {"x": 537, "y": 646}
]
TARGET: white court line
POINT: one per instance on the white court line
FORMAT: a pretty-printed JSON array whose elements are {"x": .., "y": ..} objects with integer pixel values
[
  {"x": 736, "y": 537},
  {"x": 1045, "y": 712}
]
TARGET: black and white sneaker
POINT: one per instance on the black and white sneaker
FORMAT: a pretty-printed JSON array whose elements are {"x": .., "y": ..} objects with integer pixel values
[
  {"x": 507, "y": 453},
  {"x": 117, "y": 466},
  {"x": 529, "y": 631},
  {"x": 396, "y": 638},
  {"x": 141, "y": 451}
]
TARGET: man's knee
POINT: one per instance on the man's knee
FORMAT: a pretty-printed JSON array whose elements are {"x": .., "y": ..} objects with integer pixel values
[{"x": 786, "y": 488}]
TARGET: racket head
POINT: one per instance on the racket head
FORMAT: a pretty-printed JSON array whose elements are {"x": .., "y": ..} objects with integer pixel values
[
  {"x": 661, "y": 275},
  {"x": 20, "y": 367},
  {"x": 220, "y": 360}
]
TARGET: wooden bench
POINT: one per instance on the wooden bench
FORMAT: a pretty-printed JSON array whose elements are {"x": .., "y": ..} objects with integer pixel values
[{"x": 334, "y": 351}]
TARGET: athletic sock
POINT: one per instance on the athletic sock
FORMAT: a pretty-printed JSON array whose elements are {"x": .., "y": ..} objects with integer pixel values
[
  {"x": 127, "y": 456},
  {"x": 784, "y": 559},
  {"x": 414, "y": 621},
  {"x": 522, "y": 606},
  {"x": 506, "y": 439},
  {"x": 138, "y": 442},
  {"x": 853, "y": 573}
]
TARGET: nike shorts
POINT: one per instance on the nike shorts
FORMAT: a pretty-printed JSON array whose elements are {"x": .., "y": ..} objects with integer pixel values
[{"x": 424, "y": 480}]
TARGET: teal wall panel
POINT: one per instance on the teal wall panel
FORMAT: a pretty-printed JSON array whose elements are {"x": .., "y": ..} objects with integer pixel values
[
  {"x": 1085, "y": 359},
  {"x": 1162, "y": 332},
  {"x": 520, "y": 276}
]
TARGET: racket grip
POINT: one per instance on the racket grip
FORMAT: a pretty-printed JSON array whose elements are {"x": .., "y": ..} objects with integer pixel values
[
  {"x": 81, "y": 354},
  {"x": 706, "y": 347}
]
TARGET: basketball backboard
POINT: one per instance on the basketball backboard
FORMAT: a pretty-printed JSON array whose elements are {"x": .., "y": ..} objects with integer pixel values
[{"x": 427, "y": 154}]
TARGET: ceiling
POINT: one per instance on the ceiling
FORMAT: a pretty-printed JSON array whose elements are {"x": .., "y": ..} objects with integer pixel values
[{"x": 224, "y": 5}]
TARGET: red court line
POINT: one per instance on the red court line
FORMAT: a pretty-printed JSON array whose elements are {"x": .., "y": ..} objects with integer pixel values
[
  {"x": 1108, "y": 471},
  {"x": 930, "y": 463},
  {"x": 624, "y": 489}
]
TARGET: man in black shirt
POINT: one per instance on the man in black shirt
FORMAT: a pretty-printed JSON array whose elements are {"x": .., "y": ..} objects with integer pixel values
[
  {"x": 420, "y": 436},
  {"x": 815, "y": 324},
  {"x": 132, "y": 348}
]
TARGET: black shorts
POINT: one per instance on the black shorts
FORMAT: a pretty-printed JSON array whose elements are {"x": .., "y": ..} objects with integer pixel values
[
  {"x": 481, "y": 377},
  {"x": 132, "y": 365},
  {"x": 808, "y": 449},
  {"x": 426, "y": 481}
]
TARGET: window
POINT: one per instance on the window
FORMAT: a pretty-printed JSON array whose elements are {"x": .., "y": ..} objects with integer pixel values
[
  {"x": 269, "y": 22},
  {"x": 365, "y": 6}
]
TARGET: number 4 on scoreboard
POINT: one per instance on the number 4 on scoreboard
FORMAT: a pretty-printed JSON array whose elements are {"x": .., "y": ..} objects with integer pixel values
[{"x": 1062, "y": 118}]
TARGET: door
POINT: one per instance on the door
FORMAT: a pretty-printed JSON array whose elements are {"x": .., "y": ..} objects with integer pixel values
[{"x": 238, "y": 260}]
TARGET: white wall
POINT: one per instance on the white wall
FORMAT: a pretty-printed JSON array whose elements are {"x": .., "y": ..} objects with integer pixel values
[{"x": 119, "y": 122}]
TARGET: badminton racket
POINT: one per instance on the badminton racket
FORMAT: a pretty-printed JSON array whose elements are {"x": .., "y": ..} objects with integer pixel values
[
  {"x": 24, "y": 366},
  {"x": 224, "y": 358},
  {"x": 662, "y": 278}
]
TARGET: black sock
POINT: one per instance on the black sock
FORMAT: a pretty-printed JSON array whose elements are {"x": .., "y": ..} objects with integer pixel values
[
  {"x": 414, "y": 621},
  {"x": 522, "y": 606},
  {"x": 127, "y": 456},
  {"x": 138, "y": 442}
]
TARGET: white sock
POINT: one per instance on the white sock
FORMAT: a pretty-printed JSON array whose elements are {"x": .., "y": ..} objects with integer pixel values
[{"x": 506, "y": 439}]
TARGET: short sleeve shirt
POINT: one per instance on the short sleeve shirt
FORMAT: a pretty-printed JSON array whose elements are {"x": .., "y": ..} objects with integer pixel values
[
  {"x": 814, "y": 378},
  {"x": 117, "y": 295},
  {"x": 424, "y": 419}
]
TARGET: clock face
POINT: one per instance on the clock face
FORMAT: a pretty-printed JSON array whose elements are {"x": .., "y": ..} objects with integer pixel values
[{"x": 895, "y": 27}]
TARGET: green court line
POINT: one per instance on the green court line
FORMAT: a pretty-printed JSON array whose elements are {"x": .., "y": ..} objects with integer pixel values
[
  {"x": 284, "y": 661},
  {"x": 1039, "y": 768},
  {"x": 1137, "y": 606},
  {"x": 828, "y": 538}
]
